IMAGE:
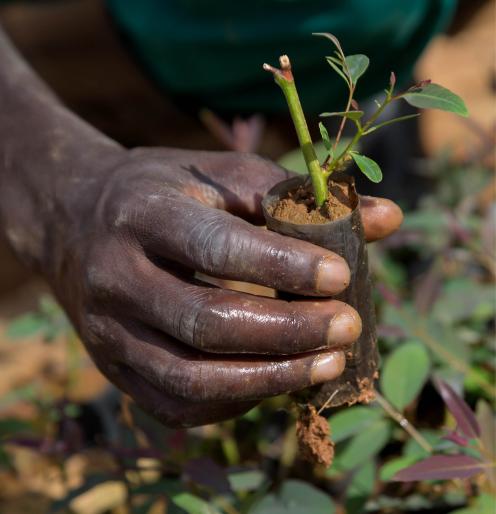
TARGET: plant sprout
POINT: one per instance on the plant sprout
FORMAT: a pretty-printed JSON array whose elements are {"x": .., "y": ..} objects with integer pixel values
[{"x": 350, "y": 68}]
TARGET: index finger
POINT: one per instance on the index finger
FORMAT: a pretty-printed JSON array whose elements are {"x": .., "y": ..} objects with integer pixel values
[{"x": 219, "y": 244}]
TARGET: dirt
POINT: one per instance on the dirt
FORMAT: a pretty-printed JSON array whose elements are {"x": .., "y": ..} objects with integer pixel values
[
  {"x": 313, "y": 434},
  {"x": 367, "y": 393},
  {"x": 300, "y": 207}
]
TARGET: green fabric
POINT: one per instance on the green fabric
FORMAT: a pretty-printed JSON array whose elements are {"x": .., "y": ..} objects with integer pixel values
[{"x": 212, "y": 51}]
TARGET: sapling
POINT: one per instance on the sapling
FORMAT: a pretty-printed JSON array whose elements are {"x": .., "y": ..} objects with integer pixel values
[
  {"x": 328, "y": 215},
  {"x": 351, "y": 68}
]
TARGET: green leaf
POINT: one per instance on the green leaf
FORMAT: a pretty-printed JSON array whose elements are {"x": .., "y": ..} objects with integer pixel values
[
  {"x": 483, "y": 504},
  {"x": 170, "y": 487},
  {"x": 352, "y": 420},
  {"x": 5, "y": 459},
  {"x": 295, "y": 497},
  {"x": 391, "y": 467},
  {"x": 246, "y": 480},
  {"x": 352, "y": 115},
  {"x": 478, "y": 301},
  {"x": 361, "y": 487},
  {"x": 369, "y": 442},
  {"x": 487, "y": 422},
  {"x": 434, "y": 96},
  {"x": 446, "y": 343},
  {"x": 336, "y": 60},
  {"x": 27, "y": 393},
  {"x": 362, "y": 483},
  {"x": 368, "y": 167},
  {"x": 390, "y": 122},
  {"x": 404, "y": 374},
  {"x": 10, "y": 426},
  {"x": 357, "y": 66},
  {"x": 338, "y": 70},
  {"x": 334, "y": 40},
  {"x": 413, "y": 449},
  {"x": 193, "y": 504},
  {"x": 325, "y": 137},
  {"x": 26, "y": 326}
]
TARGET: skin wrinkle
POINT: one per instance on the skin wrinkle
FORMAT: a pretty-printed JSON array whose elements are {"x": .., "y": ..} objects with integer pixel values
[
  {"x": 210, "y": 240},
  {"x": 152, "y": 198},
  {"x": 281, "y": 260},
  {"x": 180, "y": 377},
  {"x": 288, "y": 327},
  {"x": 207, "y": 308},
  {"x": 195, "y": 255},
  {"x": 91, "y": 217},
  {"x": 211, "y": 312},
  {"x": 188, "y": 316}
]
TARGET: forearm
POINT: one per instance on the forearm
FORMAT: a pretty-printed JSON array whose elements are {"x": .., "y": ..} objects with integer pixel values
[{"x": 48, "y": 158}]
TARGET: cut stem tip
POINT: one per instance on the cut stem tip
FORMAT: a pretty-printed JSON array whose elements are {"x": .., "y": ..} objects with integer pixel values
[
  {"x": 284, "y": 72},
  {"x": 285, "y": 63}
]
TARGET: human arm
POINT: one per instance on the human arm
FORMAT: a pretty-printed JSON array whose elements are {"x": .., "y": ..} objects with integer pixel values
[{"x": 119, "y": 233}]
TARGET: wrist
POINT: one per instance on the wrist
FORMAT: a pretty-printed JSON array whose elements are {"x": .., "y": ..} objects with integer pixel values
[{"x": 50, "y": 164}]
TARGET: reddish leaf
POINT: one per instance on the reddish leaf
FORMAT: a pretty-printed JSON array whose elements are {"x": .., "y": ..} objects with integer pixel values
[
  {"x": 390, "y": 331},
  {"x": 456, "y": 438},
  {"x": 441, "y": 467},
  {"x": 392, "y": 79},
  {"x": 467, "y": 422},
  {"x": 427, "y": 289},
  {"x": 389, "y": 295},
  {"x": 420, "y": 85},
  {"x": 207, "y": 473}
]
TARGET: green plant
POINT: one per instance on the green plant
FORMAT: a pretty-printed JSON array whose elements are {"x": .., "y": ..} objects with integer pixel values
[{"x": 425, "y": 95}]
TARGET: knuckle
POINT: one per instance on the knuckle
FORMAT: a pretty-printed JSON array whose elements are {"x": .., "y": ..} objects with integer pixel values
[
  {"x": 211, "y": 241},
  {"x": 119, "y": 210},
  {"x": 97, "y": 331},
  {"x": 193, "y": 382},
  {"x": 107, "y": 270},
  {"x": 131, "y": 191},
  {"x": 97, "y": 279}
]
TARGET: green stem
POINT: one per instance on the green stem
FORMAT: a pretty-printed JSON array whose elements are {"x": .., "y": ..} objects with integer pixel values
[
  {"x": 359, "y": 133},
  {"x": 379, "y": 111},
  {"x": 337, "y": 161},
  {"x": 284, "y": 79},
  {"x": 403, "y": 422},
  {"x": 343, "y": 121}
]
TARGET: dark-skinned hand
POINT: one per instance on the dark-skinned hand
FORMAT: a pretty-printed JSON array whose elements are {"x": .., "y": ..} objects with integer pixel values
[
  {"x": 119, "y": 235},
  {"x": 188, "y": 352}
]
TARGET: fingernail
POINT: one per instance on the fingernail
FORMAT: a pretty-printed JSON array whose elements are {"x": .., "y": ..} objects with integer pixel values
[
  {"x": 327, "y": 366},
  {"x": 333, "y": 275},
  {"x": 344, "y": 329}
]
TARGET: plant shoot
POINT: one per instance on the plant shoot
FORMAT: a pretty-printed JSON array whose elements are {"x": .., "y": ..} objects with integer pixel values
[{"x": 350, "y": 68}]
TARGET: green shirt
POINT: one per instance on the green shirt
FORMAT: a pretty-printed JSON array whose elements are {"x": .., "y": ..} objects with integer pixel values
[{"x": 211, "y": 52}]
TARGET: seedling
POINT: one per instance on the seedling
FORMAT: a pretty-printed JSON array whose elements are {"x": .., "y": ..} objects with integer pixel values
[
  {"x": 329, "y": 216},
  {"x": 425, "y": 95}
]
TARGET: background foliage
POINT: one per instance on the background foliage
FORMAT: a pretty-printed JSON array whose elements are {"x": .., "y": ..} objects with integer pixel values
[{"x": 435, "y": 300}]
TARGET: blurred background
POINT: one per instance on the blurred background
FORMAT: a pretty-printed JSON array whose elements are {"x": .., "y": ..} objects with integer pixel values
[{"x": 71, "y": 443}]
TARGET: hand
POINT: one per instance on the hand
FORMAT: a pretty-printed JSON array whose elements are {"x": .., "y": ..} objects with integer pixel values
[
  {"x": 119, "y": 234},
  {"x": 187, "y": 352}
]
